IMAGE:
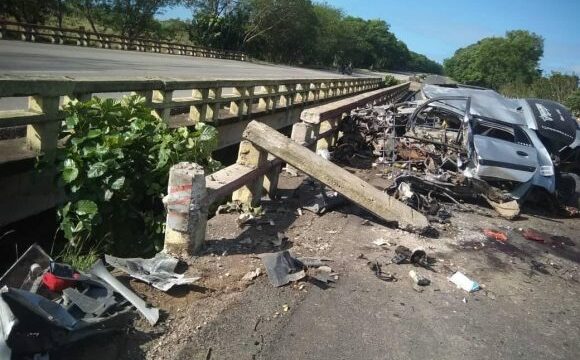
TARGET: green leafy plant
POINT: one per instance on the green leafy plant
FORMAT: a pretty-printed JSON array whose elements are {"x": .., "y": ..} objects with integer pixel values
[
  {"x": 114, "y": 164},
  {"x": 390, "y": 81}
]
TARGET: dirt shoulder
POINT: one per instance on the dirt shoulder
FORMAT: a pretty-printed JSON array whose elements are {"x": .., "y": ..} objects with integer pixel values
[{"x": 527, "y": 306}]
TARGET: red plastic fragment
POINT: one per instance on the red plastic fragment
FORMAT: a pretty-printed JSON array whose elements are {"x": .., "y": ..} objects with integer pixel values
[
  {"x": 495, "y": 235},
  {"x": 56, "y": 284}
]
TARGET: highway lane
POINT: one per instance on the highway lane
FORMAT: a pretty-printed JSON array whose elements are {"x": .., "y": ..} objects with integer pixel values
[
  {"x": 22, "y": 58},
  {"x": 47, "y": 60}
]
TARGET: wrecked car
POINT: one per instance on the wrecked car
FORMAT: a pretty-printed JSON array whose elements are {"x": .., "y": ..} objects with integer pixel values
[{"x": 514, "y": 144}]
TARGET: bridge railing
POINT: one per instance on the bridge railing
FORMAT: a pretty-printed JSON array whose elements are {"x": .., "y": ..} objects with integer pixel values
[
  {"x": 81, "y": 37},
  {"x": 227, "y": 104}
]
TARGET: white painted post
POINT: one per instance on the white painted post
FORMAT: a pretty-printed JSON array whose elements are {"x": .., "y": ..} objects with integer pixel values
[{"x": 187, "y": 210}]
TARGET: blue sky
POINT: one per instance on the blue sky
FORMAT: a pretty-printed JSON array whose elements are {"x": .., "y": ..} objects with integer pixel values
[{"x": 438, "y": 28}]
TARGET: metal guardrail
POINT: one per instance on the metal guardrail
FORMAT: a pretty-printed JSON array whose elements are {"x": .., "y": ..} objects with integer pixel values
[{"x": 81, "y": 37}]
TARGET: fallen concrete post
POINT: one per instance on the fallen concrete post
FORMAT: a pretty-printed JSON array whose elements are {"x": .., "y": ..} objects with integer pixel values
[
  {"x": 347, "y": 184},
  {"x": 187, "y": 210}
]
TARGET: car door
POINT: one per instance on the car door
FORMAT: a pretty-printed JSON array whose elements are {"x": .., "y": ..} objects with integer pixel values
[{"x": 502, "y": 151}]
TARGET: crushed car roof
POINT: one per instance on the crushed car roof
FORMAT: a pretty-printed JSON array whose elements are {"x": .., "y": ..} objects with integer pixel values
[{"x": 484, "y": 102}]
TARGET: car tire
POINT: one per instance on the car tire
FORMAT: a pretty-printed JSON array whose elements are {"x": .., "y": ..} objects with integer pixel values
[{"x": 569, "y": 189}]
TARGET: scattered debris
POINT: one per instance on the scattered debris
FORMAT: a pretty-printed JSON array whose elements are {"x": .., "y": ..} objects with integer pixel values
[
  {"x": 40, "y": 313},
  {"x": 326, "y": 200},
  {"x": 495, "y": 235},
  {"x": 282, "y": 268},
  {"x": 419, "y": 279},
  {"x": 158, "y": 271},
  {"x": 376, "y": 267},
  {"x": 531, "y": 234},
  {"x": 244, "y": 218},
  {"x": 381, "y": 242},
  {"x": 463, "y": 282},
  {"x": 251, "y": 275},
  {"x": 151, "y": 314}
]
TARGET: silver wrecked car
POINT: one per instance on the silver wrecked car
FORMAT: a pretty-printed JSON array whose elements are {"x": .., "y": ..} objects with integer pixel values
[{"x": 514, "y": 143}]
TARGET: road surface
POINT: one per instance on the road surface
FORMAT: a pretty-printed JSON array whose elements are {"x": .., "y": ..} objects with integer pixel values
[{"x": 22, "y": 58}]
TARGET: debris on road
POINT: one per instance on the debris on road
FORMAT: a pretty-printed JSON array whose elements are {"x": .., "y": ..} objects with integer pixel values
[
  {"x": 463, "y": 282},
  {"x": 495, "y": 235},
  {"x": 251, "y": 275},
  {"x": 533, "y": 235},
  {"x": 419, "y": 279},
  {"x": 150, "y": 313},
  {"x": 46, "y": 305},
  {"x": 282, "y": 268},
  {"x": 158, "y": 271},
  {"x": 377, "y": 269}
]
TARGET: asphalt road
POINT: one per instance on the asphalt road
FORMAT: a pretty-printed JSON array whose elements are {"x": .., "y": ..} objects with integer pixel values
[
  {"x": 22, "y": 58},
  {"x": 46, "y": 60}
]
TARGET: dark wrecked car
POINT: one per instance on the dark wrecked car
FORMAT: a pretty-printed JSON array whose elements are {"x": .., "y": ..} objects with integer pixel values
[{"x": 514, "y": 144}]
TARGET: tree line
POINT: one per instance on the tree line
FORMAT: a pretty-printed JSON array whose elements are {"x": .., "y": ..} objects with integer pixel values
[
  {"x": 511, "y": 65},
  {"x": 284, "y": 31}
]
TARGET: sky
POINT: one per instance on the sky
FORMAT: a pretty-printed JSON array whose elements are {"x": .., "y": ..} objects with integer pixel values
[{"x": 438, "y": 28}]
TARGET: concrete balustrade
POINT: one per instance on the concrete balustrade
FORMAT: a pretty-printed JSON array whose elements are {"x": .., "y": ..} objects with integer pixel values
[
  {"x": 82, "y": 37},
  {"x": 229, "y": 105}
]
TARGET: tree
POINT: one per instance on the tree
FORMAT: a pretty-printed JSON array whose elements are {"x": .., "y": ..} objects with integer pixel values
[
  {"x": 28, "y": 11},
  {"x": 496, "y": 61},
  {"x": 573, "y": 102}
]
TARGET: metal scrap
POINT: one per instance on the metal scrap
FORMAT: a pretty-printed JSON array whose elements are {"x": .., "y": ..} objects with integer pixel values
[{"x": 158, "y": 271}]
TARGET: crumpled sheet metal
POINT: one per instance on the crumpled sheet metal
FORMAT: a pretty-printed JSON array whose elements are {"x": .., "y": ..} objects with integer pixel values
[
  {"x": 158, "y": 271},
  {"x": 282, "y": 268}
]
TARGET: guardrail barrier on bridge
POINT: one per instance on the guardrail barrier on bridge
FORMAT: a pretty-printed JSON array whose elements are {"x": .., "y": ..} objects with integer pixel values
[
  {"x": 229, "y": 105},
  {"x": 81, "y": 37}
]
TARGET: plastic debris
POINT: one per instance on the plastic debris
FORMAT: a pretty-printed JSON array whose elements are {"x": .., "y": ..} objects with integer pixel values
[
  {"x": 419, "y": 279},
  {"x": 150, "y": 313},
  {"x": 495, "y": 235},
  {"x": 158, "y": 271},
  {"x": 463, "y": 282}
]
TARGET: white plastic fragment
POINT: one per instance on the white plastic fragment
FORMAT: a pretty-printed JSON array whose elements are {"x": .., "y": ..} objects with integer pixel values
[{"x": 463, "y": 282}]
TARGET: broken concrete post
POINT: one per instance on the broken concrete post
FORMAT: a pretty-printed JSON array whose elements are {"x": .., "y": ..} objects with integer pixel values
[
  {"x": 187, "y": 210},
  {"x": 249, "y": 155},
  {"x": 347, "y": 184}
]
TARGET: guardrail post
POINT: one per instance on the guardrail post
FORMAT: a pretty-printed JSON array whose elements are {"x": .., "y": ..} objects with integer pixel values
[
  {"x": 164, "y": 97},
  {"x": 326, "y": 142},
  {"x": 198, "y": 113},
  {"x": 42, "y": 137},
  {"x": 250, "y": 155},
  {"x": 303, "y": 134},
  {"x": 216, "y": 95},
  {"x": 271, "y": 179},
  {"x": 239, "y": 106},
  {"x": 187, "y": 210}
]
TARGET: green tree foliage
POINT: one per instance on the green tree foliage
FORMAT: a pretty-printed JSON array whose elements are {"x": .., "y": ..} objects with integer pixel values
[
  {"x": 307, "y": 33},
  {"x": 496, "y": 61},
  {"x": 115, "y": 169},
  {"x": 557, "y": 87},
  {"x": 573, "y": 103},
  {"x": 29, "y": 11}
]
